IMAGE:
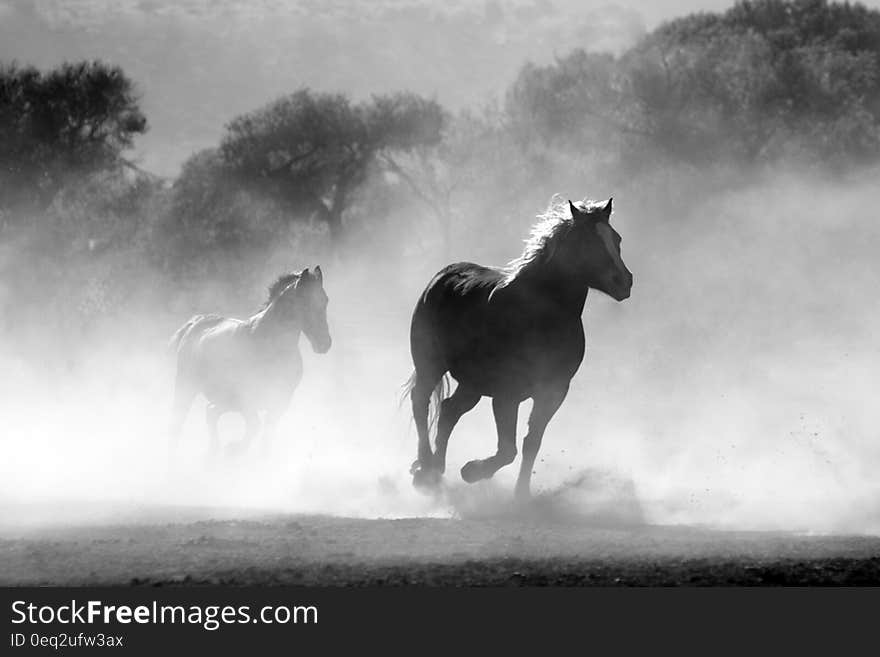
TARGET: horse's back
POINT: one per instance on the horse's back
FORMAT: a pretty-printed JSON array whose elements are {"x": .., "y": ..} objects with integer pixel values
[
  {"x": 193, "y": 329},
  {"x": 456, "y": 288},
  {"x": 222, "y": 358},
  {"x": 490, "y": 335},
  {"x": 210, "y": 342},
  {"x": 462, "y": 279},
  {"x": 453, "y": 303}
]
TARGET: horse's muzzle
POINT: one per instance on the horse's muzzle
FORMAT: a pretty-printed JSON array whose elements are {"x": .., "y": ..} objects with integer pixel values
[
  {"x": 618, "y": 286},
  {"x": 322, "y": 346}
]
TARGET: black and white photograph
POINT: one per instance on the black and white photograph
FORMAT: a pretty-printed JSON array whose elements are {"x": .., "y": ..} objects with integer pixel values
[{"x": 466, "y": 294}]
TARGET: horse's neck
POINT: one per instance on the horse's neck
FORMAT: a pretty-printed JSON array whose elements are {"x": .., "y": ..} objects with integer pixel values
[
  {"x": 550, "y": 283},
  {"x": 267, "y": 326}
]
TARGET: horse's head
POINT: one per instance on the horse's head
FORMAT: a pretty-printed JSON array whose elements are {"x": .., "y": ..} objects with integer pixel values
[
  {"x": 593, "y": 248},
  {"x": 314, "y": 301},
  {"x": 306, "y": 300}
]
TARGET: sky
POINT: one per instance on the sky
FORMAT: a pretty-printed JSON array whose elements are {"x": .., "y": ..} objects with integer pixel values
[{"x": 199, "y": 63}]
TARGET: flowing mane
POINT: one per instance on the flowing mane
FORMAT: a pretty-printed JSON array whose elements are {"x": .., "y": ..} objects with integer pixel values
[
  {"x": 281, "y": 284},
  {"x": 551, "y": 227}
]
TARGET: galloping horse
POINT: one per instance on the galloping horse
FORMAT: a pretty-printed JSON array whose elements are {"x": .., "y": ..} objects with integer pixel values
[
  {"x": 510, "y": 333},
  {"x": 252, "y": 365}
]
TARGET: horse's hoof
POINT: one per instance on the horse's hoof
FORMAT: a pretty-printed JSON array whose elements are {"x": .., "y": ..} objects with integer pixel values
[
  {"x": 426, "y": 479},
  {"x": 472, "y": 471}
]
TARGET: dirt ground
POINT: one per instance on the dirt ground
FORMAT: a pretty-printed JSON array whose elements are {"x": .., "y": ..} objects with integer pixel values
[{"x": 185, "y": 547}]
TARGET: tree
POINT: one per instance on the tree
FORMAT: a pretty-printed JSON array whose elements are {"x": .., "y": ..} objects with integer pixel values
[
  {"x": 579, "y": 99},
  {"x": 74, "y": 120},
  {"x": 765, "y": 80},
  {"x": 477, "y": 163},
  {"x": 312, "y": 151},
  {"x": 211, "y": 218}
]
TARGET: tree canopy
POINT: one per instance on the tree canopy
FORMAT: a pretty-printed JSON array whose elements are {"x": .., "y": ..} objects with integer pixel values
[
  {"x": 73, "y": 120},
  {"x": 312, "y": 151},
  {"x": 763, "y": 80}
]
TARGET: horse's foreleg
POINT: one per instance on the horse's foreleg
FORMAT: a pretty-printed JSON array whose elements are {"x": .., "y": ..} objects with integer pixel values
[
  {"x": 545, "y": 406},
  {"x": 451, "y": 410},
  {"x": 505, "y": 421}
]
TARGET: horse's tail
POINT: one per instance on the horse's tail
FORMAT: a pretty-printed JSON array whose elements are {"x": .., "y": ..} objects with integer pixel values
[{"x": 440, "y": 392}]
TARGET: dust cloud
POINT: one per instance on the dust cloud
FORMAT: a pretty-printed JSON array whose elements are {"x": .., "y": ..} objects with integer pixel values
[{"x": 735, "y": 389}]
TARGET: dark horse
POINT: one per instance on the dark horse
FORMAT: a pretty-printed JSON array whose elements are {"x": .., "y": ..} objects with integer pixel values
[
  {"x": 511, "y": 333},
  {"x": 254, "y": 365}
]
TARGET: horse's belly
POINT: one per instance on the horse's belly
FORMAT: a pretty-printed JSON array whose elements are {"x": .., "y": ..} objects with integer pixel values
[
  {"x": 232, "y": 387},
  {"x": 493, "y": 379},
  {"x": 518, "y": 373},
  {"x": 490, "y": 385},
  {"x": 225, "y": 397},
  {"x": 238, "y": 397}
]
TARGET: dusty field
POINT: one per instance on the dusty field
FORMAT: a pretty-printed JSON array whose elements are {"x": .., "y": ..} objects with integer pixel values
[{"x": 174, "y": 548}]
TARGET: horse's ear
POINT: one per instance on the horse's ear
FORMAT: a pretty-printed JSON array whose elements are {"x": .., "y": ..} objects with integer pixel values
[
  {"x": 607, "y": 209},
  {"x": 319, "y": 274},
  {"x": 574, "y": 211}
]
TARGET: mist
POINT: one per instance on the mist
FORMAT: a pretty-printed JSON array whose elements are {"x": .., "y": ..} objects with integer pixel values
[{"x": 734, "y": 389}]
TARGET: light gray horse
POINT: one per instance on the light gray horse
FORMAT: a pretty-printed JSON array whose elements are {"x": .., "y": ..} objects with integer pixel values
[{"x": 250, "y": 366}]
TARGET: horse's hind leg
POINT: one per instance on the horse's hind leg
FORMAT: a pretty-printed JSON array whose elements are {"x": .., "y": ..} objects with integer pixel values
[
  {"x": 451, "y": 410},
  {"x": 505, "y": 420},
  {"x": 426, "y": 379}
]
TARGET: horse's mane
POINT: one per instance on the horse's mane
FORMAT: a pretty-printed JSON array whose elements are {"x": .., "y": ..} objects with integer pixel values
[
  {"x": 281, "y": 284},
  {"x": 551, "y": 227}
]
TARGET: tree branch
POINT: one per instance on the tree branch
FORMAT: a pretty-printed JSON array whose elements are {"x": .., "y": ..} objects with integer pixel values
[{"x": 293, "y": 160}]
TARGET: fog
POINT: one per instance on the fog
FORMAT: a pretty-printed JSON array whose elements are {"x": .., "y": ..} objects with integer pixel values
[{"x": 734, "y": 389}]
